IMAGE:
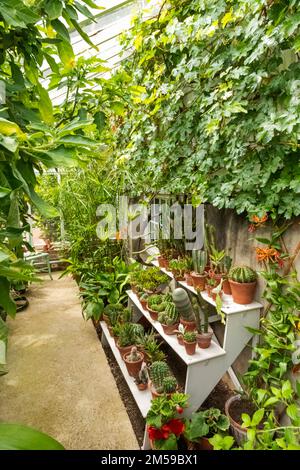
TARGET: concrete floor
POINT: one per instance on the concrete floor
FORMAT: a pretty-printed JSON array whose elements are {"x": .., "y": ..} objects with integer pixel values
[{"x": 59, "y": 380}]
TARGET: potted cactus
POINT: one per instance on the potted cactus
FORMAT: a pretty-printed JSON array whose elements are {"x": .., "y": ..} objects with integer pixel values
[
  {"x": 133, "y": 360},
  {"x": 128, "y": 333},
  {"x": 169, "y": 319},
  {"x": 184, "y": 307},
  {"x": 199, "y": 275},
  {"x": 142, "y": 379},
  {"x": 211, "y": 283},
  {"x": 162, "y": 381},
  {"x": 157, "y": 303},
  {"x": 243, "y": 280},
  {"x": 189, "y": 268},
  {"x": 179, "y": 334},
  {"x": 190, "y": 342},
  {"x": 143, "y": 299},
  {"x": 204, "y": 336}
]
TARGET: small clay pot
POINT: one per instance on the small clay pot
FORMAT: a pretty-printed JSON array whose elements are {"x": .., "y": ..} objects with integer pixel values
[
  {"x": 204, "y": 444},
  {"x": 163, "y": 262},
  {"x": 177, "y": 277},
  {"x": 144, "y": 304},
  {"x": 188, "y": 279},
  {"x": 216, "y": 277},
  {"x": 142, "y": 387},
  {"x": 243, "y": 293},
  {"x": 226, "y": 287},
  {"x": 153, "y": 313},
  {"x": 190, "y": 348},
  {"x": 199, "y": 280},
  {"x": 133, "y": 367},
  {"x": 170, "y": 329},
  {"x": 188, "y": 325},
  {"x": 239, "y": 433},
  {"x": 124, "y": 349},
  {"x": 204, "y": 340},
  {"x": 155, "y": 394},
  {"x": 180, "y": 339}
]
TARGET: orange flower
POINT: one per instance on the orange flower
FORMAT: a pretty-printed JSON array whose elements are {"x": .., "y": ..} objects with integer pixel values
[
  {"x": 259, "y": 220},
  {"x": 269, "y": 255}
]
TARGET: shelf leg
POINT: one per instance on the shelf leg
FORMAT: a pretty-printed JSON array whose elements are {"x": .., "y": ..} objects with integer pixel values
[{"x": 146, "y": 441}]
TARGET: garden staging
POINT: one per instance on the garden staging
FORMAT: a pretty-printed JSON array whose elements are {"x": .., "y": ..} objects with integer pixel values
[{"x": 149, "y": 225}]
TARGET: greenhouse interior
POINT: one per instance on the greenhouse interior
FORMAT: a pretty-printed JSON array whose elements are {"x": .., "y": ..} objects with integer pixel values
[{"x": 149, "y": 225}]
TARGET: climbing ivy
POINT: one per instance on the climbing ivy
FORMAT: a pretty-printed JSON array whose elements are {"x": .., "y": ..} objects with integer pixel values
[{"x": 217, "y": 113}]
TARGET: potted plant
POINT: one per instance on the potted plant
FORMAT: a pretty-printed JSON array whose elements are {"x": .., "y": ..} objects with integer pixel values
[
  {"x": 199, "y": 275},
  {"x": 211, "y": 283},
  {"x": 164, "y": 424},
  {"x": 128, "y": 333},
  {"x": 143, "y": 299},
  {"x": 202, "y": 426},
  {"x": 178, "y": 268},
  {"x": 184, "y": 307},
  {"x": 142, "y": 379},
  {"x": 190, "y": 342},
  {"x": 169, "y": 319},
  {"x": 204, "y": 336},
  {"x": 162, "y": 381},
  {"x": 189, "y": 268},
  {"x": 179, "y": 334},
  {"x": 133, "y": 361},
  {"x": 152, "y": 352},
  {"x": 157, "y": 303},
  {"x": 243, "y": 280}
]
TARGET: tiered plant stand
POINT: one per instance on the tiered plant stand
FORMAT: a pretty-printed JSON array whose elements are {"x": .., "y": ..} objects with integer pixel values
[{"x": 207, "y": 366}]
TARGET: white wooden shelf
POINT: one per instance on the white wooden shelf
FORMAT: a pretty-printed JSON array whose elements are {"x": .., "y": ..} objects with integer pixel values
[
  {"x": 201, "y": 355},
  {"x": 142, "y": 398},
  {"x": 228, "y": 307}
]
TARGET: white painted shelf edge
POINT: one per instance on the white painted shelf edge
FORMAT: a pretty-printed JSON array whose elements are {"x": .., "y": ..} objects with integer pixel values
[
  {"x": 229, "y": 307},
  {"x": 142, "y": 398},
  {"x": 201, "y": 355}
]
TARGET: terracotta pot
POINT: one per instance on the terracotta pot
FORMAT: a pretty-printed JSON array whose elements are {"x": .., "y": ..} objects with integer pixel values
[
  {"x": 199, "y": 280},
  {"x": 188, "y": 279},
  {"x": 134, "y": 289},
  {"x": 133, "y": 367},
  {"x": 239, "y": 433},
  {"x": 226, "y": 287},
  {"x": 144, "y": 304},
  {"x": 155, "y": 394},
  {"x": 180, "y": 339},
  {"x": 170, "y": 329},
  {"x": 204, "y": 340},
  {"x": 243, "y": 293},
  {"x": 163, "y": 262},
  {"x": 188, "y": 325},
  {"x": 216, "y": 277},
  {"x": 142, "y": 387},
  {"x": 204, "y": 444},
  {"x": 124, "y": 349},
  {"x": 190, "y": 348},
  {"x": 153, "y": 313}
]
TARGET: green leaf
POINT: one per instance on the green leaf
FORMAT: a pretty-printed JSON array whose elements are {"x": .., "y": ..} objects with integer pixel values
[
  {"x": 167, "y": 444},
  {"x": 293, "y": 412},
  {"x": 19, "y": 437},
  {"x": 43, "y": 207},
  {"x": 73, "y": 126},
  {"x": 114, "y": 295},
  {"x": 94, "y": 310},
  {"x": 45, "y": 105},
  {"x": 298, "y": 388},
  {"x": 83, "y": 34},
  {"x": 85, "y": 11},
  {"x": 78, "y": 140},
  {"x": 53, "y": 8},
  {"x": 257, "y": 417},
  {"x": 246, "y": 420},
  {"x": 271, "y": 401},
  {"x": 9, "y": 143},
  {"x": 118, "y": 108},
  {"x": 60, "y": 157},
  {"x": 61, "y": 30},
  {"x": 5, "y": 300},
  {"x": 100, "y": 120},
  {"x": 287, "y": 390},
  {"x": 9, "y": 128},
  {"x": 251, "y": 435}
]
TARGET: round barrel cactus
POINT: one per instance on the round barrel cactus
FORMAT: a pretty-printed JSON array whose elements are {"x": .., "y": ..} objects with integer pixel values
[{"x": 242, "y": 274}]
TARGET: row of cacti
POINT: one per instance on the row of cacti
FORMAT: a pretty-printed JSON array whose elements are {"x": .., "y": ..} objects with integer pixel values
[{"x": 162, "y": 378}]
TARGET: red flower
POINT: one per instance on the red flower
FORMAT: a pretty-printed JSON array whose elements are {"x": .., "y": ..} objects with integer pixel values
[
  {"x": 175, "y": 426},
  {"x": 155, "y": 434},
  {"x": 179, "y": 409}
]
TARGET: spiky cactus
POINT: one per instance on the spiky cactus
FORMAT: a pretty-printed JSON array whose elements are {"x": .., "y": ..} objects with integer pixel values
[
  {"x": 158, "y": 371},
  {"x": 169, "y": 384},
  {"x": 134, "y": 355},
  {"x": 183, "y": 304},
  {"x": 171, "y": 311},
  {"x": 199, "y": 260},
  {"x": 242, "y": 274}
]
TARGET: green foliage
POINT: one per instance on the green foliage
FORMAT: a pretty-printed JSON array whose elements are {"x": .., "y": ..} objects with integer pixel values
[
  {"x": 204, "y": 423},
  {"x": 217, "y": 115},
  {"x": 242, "y": 274},
  {"x": 169, "y": 384},
  {"x": 129, "y": 333},
  {"x": 189, "y": 336},
  {"x": 158, "y": 371},
  {"x": 199, "y": 261},
  {"x": 20, "y": 437}
]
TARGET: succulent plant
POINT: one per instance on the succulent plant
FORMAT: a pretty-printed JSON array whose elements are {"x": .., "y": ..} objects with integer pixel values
[
  {"x": 169, "y": 384},
  {"x": 158, "y": 371},
  {"x": 242, "y": 274},
  {"x": 134, "y": 355},
  {"x": 142, "y": 378},
  {"x": 129, "y": 333},
  {"x": 199, "y": 260},
  {"x": 183, "y": 304},
  {"x": 190, "y": 336}
]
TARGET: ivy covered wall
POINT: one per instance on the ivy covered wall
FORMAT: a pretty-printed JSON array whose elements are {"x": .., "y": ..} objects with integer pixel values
[{"x": 216, "y": 112}]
